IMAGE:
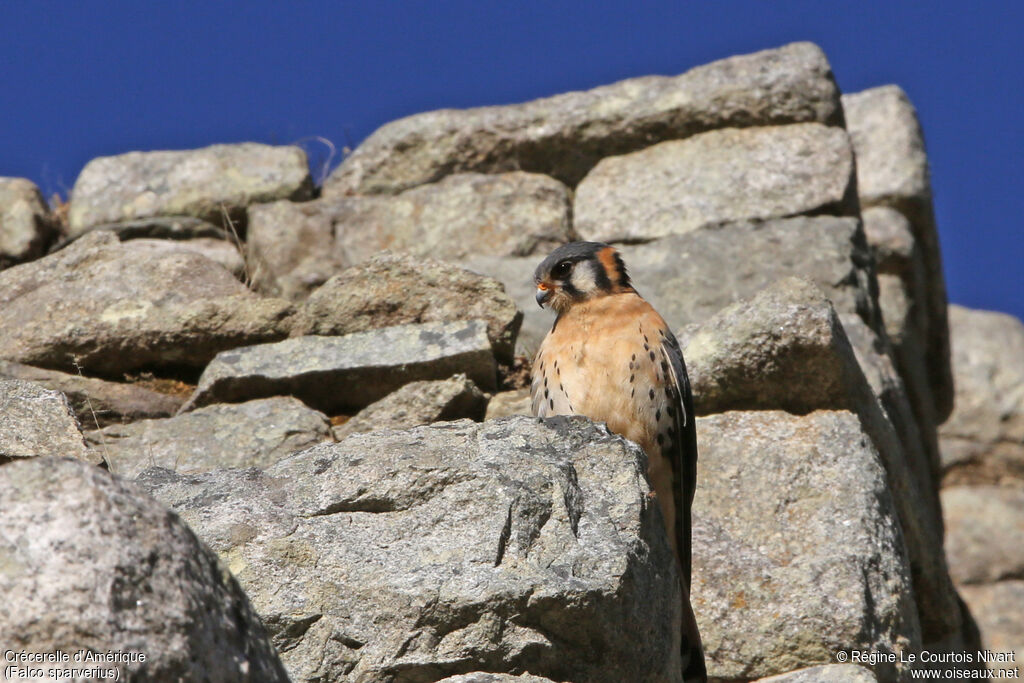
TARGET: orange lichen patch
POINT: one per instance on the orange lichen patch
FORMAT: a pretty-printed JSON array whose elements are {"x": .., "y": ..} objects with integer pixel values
[{"x": 340, "y": 420}]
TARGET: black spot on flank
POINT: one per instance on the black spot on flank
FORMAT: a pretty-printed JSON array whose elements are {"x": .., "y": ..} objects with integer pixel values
[
  {"x": 632, "y": 377},
  {"x": 556, "y": 365},
  {"x": 670, "y": 410},
  {"x": 646, "y": 347},
  {"x": 561, "y": 388},
  {"x": 558, "y": 371},
  {"x": 542, "y": 365},
  {"x": 545, "y": 382},
  {"x": 664, "y": 368},
  {"x": 651, "y": 394},
  {"x": 657, "y": 415},
  {"x": 551, "y": 403},
  {"x": 661, "y": 332},
  {"x": 545, "y": 393},
  {"x": 634, "y": 357},
  {"x": 652, "y": 355},
  {"x": 646, "y": 339},
  {"x": 661, "y": 439},
  {"x": 632, "y": 392}
]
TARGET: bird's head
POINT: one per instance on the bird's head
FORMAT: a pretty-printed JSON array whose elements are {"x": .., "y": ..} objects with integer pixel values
[{"x": 577, "y": 272}]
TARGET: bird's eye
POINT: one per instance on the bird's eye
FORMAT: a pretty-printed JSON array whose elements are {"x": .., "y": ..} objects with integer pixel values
[{"x": 561, "y": 269}]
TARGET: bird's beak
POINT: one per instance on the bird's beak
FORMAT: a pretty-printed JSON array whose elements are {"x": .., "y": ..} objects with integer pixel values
[{"x": 543, "y": 294}]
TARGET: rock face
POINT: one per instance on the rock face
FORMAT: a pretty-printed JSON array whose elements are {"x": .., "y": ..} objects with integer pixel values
[
  {"x": 95, "y": 400},
  {"x": 365, "y": 366},
  {"x": 253, "y": 434},
  {"x": 975, "y": 517},
  {"x": 26, "y": 227},
  {"x": 714, "y": 178},
  {"x": 785, "y": 348},
  {"x": 740, "y": 259},
  {"x": 35, "y": 421},
  {"x": 997, "y": 607},
  {"x": 784, "y": 582},
  {"x": 298, "y": 246},
  {"x": 205, "y": 183},
  {"x": 399, "y": 289},
  {"x": 506, "y": 403},
  {"x": 504, "y": 546},
  {"x": 111, "y": 308},
  {"x": 564, "y": 136},
  {"x": 985, "y": 433},
  {"x": 892, "y": 171},
  {"x": 419, "y": 403},
  {"x": 91, "y": 562}
]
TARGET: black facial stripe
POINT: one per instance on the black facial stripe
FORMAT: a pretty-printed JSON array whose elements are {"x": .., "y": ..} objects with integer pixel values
[
  {"x": 622, "y": 276},
  {"x": 602, "y": 280}
]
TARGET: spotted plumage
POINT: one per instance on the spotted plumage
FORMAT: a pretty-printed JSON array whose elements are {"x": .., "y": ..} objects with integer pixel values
[{"x": 611, "y": 357}]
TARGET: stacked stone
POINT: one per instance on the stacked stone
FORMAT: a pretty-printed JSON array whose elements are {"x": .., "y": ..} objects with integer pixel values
[{"x": 308, "y": 372}]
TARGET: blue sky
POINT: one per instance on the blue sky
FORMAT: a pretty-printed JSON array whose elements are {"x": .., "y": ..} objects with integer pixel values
[{"x": 87, "y": 79}]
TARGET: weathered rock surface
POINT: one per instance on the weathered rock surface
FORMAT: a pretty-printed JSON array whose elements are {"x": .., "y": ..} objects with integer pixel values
[
  {"x": 92, "y": 562},
  {"x": 252, "y": 434},
  {"x": 892, "y": 171},
  {"x": 784, "y": 349},
  {"x": 205, "y": 183},
  {"x": 95, "y": 400},
  {"x": 714, "y": 178},
  {"x": 25, "y": 224},
  {"x": 785, "y": 582},
  {"x": 35, "y": 422},
  {"x": 509, "y": 545},
  {"x": 217, "y": 250},
  {"x": 829, "y": 673},
  {"x": 506, "y": 403},
  {"x": 419, "y": 403},
  {"x": 298, "y": 246},
  {"x": 999, "y": 611},
  {"x": 984, "y": 527},
  {"x": 112, "y": 307},
  {"x": 565, "y": 135},
  {"x": 740, "y": 259},
  {"x": 399, "y": 289},
  {"x": 339, "y": 374},
  {"x": 985, "y": 432}
]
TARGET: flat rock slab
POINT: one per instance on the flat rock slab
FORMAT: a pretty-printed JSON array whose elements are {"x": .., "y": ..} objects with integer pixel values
[
  {"x": 985, "y": 432},
  {"x": 26, "y": 227},
  {"x": 93, "y": 562},
  {"x": 398, "y": 289},
  {"x": 95, "y": 400},
  {"x": 419, "y": 403},
  {"x": 688, "y": 278},
  {"x": 110, "y": 307},
  {"x": 565, "y": 135},
  {"x": 797, "y": 547},
  {"x": 252, "y": 434},
  {"x": 296, "y": 246},
  {"x": 35, "y": 421},
  {"x": 508, "y": 545},
  {"x": 984, "y": 527},
  {"x": 338, "y": 374},
  {"x": 206, "y": 183},
  {"x": 717, "y": 177}
]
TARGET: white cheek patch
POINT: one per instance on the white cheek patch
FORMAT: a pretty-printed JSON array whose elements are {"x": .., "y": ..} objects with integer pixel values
[{"x": 584, "y": 278}]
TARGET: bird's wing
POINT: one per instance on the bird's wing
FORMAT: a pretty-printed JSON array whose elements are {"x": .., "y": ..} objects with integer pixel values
[{"x": 682, "y": 451}]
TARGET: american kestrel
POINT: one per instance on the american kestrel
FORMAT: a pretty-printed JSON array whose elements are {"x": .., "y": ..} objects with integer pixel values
[{"x": 611, "y": 357}]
